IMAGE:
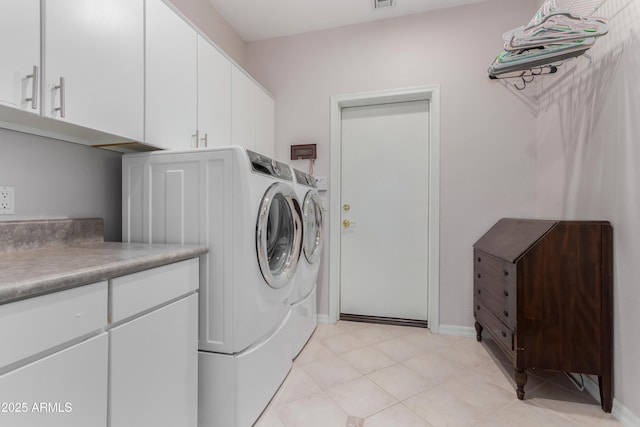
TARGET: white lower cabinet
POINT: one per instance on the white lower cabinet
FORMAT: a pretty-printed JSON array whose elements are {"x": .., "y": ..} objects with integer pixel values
[
  {"x": 121, "y": 353},
  {"x": 154, "y": 347},
  {"x": 65, "y": 389},
  {"x": 154, "y": 368}
]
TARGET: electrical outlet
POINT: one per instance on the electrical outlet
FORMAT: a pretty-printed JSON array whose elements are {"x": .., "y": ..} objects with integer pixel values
[{"x": 7, "y": 200}]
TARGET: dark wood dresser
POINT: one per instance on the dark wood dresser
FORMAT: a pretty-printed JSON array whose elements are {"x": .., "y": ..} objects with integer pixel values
[{"x": 543, "y": 291}]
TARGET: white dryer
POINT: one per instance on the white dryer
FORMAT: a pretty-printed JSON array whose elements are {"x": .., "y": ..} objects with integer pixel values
[
  {"x": 303, "y": 300},
  {"x": 243, "y": 206}
]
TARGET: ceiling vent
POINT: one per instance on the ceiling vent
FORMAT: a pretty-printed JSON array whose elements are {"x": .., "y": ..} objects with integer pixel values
[{"x": 381, "y": 4}]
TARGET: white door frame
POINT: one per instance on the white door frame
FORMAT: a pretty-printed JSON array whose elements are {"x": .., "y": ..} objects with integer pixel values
[{"x": 432, "y": 94}]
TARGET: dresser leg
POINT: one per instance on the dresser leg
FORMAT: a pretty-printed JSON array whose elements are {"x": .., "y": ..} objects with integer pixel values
[
  {"x": 605, "y": 392},
  {"x": 521, "y": 379},
  {"x": 479, "y": 329}
]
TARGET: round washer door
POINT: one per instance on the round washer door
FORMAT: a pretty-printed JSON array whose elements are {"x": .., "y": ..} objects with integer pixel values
[
  {"x": 278, "y": 235},
  {"x": 312, "y": 213}
]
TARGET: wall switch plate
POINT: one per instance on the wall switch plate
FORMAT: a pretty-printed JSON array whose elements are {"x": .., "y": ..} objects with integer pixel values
[{"x": 7, "y": 200}]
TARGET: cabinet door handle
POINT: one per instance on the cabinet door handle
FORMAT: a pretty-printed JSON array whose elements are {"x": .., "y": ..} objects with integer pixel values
[
  {"x": 506, "y": 313},
  {"x": 196, "y": 139},
  {"x": 206, "y": 140},
  {"x": 34, "y": 87},
  {"x": 61, "y": 108}
]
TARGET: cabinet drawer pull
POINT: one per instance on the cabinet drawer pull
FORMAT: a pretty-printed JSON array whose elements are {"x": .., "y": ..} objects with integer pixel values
[
  {"x": 479, "y": 276},
  {"x": 34, "y": 87},
  {"x": 477, "y": 307},
  {"x": 479, "y": 259},
  {"x": 506, "y": 293},
  {"x": 506, "y": 313},
  {"x": 505, "y": 272},
  {"x": 479, "y": 291},
  {"x": 504, "y": 334}
]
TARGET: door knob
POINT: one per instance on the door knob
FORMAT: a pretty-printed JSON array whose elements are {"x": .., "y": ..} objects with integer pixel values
[
  {"x": 346, "y": 207},
  {"x": 347, "y": 223}
]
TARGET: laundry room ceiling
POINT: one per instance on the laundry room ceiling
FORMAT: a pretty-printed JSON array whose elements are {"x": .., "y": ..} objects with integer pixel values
[{"x": 264, "y": 19}]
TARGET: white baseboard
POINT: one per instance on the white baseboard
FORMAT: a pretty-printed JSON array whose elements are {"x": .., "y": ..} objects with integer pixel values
[
  {"x": 458, "y": 331},
  {"x": 323, "y": 319},
  {"x": 618, "y": 410},
  {"x": 624, "y": 415}
]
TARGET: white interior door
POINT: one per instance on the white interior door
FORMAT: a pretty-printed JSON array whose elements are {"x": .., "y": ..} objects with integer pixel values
[{"x": 384, "y": 194}]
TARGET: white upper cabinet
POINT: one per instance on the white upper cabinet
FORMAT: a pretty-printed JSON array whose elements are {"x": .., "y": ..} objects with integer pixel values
[
  {"x": 117, "y": 71},
  {"x": 243, "y": 110},
  {"x": 171, "y": 78},
  {"x": 94, "y": 64},
  {"x": 20, "y": 54},
  {"x": 214, "y": 96},
  {"x": 265, "y": 124},
  {"x": 252, "y": 115}
]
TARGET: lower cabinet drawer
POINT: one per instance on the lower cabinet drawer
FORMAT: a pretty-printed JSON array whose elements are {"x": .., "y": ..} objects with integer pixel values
[
  {"x": 147, "y": 289},
  {"x": 33, "y": 325},
  {"x": 501, "y": 334}
]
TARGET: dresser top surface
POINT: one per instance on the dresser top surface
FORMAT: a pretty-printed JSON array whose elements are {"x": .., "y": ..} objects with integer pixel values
[{"x": 509, "y": 238}]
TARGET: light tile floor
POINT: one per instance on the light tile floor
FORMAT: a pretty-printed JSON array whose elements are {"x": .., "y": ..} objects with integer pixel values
[{"x": 364, "y": 375}]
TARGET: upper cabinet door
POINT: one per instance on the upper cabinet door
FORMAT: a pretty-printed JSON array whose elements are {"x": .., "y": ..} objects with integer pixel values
[
  {"x": 20, "y": 54},
  {"x": 252, "y": 115},
  {"x": 243, "y": 110},
  {"x": 214, "y": 96},
  {"x": 265, "y": 124},
  {"x": 171, "y": 78},
  {"x": 94, "y": 64}
]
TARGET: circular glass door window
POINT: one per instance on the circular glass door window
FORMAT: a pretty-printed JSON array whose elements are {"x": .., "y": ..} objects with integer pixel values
[
  {"x": 278, "y": 235},
  {"x": 312, "y": 227}
]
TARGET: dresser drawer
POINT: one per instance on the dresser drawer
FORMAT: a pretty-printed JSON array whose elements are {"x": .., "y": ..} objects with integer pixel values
[
  {"x": 494, "y": 270},
  {"x": 503, "y": 305},
  {"x": 494, "y": 283},
  {"x": 502, "y": 334}
]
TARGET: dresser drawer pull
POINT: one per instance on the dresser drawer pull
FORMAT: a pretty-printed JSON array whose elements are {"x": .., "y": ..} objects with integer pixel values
[
  {"x": 477, "y": 307},
  {"x": 506, "y": 293},
  {"x": 506, "y": 313},
  {"x": 479, "y": 275},
  {"x": 479, "y": 259},
  {"x": 504, "y": 334},
  {"x": 505, "y": 272},
  {"x": 479, "y": 291}
]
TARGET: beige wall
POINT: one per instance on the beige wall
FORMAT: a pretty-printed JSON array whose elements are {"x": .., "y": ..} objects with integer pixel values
[
  {"x": 565, "y": 147},
  {"x": 487, "y": 144},
  {"x": 203, "y": 15},
  {"x": 588, "y": 166},
  {"x": 56, "y": 179}
]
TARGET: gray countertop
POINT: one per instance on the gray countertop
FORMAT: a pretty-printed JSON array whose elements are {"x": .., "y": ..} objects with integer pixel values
[{"x": 29, "y": 273}]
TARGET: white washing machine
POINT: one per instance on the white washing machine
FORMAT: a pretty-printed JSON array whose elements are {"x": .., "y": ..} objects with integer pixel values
[
  {"x": 243, "y": 206},
  {"x": 304, "y": 317}
]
